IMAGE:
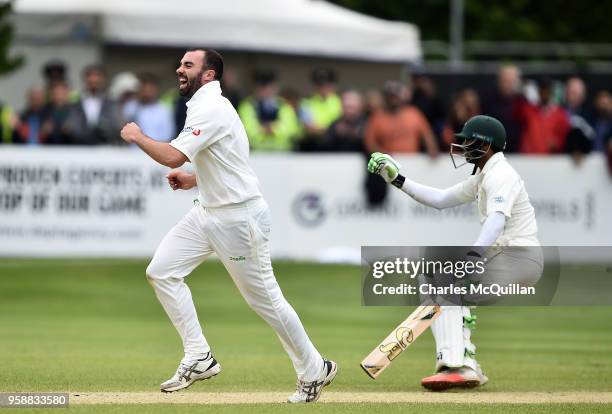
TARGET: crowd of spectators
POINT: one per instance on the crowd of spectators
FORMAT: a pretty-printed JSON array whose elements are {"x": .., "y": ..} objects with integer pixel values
[
  {"x": 55, "y": 114},
  {"x": 540, "y": 117}
]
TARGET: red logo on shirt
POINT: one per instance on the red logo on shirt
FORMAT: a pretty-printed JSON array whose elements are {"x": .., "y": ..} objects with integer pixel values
[{"x": 196, "y": 132}]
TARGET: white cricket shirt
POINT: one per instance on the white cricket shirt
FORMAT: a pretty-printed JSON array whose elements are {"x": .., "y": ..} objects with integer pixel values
[
  {"x": 215, "y": 142},
  {"x": 498, "y": 187}
]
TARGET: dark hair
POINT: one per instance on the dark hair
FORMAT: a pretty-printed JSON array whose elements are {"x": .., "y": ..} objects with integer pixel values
[
  {"x": 96, "y": 67},
  {"x": 212, "y": 60},
  {"x": 264, "y": 76},
  {"x": 322, "y": 76},
  {"x": 55, "y": 67},
  {"x": 392, "y": 88},
  {"x": 545, "y": 82},
  {"x": 147, "y": 77}
]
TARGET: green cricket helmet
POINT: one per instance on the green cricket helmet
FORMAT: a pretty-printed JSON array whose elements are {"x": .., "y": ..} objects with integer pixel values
[{"x": 479, "y": 133}]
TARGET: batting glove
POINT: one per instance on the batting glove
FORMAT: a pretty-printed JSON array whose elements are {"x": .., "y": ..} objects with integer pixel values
[{"x": 384, "y": 165}]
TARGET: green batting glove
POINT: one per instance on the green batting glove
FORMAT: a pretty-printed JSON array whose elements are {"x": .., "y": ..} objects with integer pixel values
[{"x": 384, "y": 165}]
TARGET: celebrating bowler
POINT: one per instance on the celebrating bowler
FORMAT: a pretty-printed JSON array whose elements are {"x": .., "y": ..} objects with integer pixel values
[{"x": 231, "y": 219}]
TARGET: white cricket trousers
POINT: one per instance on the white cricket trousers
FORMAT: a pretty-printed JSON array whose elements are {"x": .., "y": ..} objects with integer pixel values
[
  {"x": 453, "y": 329},
  {"x": 239, "y": 235}
]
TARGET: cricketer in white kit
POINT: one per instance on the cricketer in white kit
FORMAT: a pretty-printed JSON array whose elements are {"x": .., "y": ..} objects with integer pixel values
[
  {"x": 231, "y": 219},
  {"x": 508, "y": 238}
]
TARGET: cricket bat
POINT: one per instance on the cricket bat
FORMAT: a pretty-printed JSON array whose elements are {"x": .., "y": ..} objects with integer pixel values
[{"x": 398, "y": 340}]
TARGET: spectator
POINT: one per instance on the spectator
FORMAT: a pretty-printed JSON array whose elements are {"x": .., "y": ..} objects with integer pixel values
[
  {"x": 231, "y": 87},
  {"x": 179, "y": 107},
  {"x": 346, "y": 133},
  {"x": 544, "y": 125},
  {"x": 155, "y": 119},
  {"x": 176, "y": 103},
  {"x": 575, "y": 94},
  {"x": 8, "y": 123},
  {"x": 294, "y": 100},
  {"x": 601, "y": 121},
  {"x": 59, "y": 107},
  {"x": 465, "y": 105},
  {"x": 581, "y": 135},
  {"x": 95, "y": 119},
  {"x": 426, "y": 99},
  {"x": 374, "y": 102},
  {"x": 502, "y": 102},
  {"x": 471, "y": 101},
  {"x": 318, "y": 111},
  {"x": 398, "y": 127},
  {"x": 54, "y": 72},
  {"x": 30, "y": 130},
  {"x": 123, "y": 90},
  {"x": 456, "y": 118},
  {"x": 270, "y": 122}
]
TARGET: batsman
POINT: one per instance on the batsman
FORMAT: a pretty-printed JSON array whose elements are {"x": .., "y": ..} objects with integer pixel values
[{"x": 508, "y": 238}]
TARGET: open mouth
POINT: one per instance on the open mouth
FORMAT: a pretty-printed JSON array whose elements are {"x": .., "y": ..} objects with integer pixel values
[{"x": 182, "y": 81}]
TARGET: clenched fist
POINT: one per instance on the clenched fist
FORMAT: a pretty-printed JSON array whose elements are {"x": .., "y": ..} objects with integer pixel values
[
  {"x": 181, "y": 180},
  {"x": 130, "y": 132},
  {"x": 384, "y": 165}
]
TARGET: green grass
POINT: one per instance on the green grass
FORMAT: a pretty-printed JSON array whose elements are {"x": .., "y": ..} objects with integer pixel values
[
  {"x": 95, "y": 325},
  {"x": 341, "y": 409}
]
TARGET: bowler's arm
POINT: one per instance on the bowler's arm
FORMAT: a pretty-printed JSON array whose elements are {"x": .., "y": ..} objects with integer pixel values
[
  {"x": 181, "y": 180},
  {"x": 162, "y": 152}
]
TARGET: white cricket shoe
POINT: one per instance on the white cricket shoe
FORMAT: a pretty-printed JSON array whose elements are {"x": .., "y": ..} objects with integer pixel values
[
  {"x": 464, "y": 377},
  {"x": 187, "y": 374},
  {"x": 310, "y": 391}
]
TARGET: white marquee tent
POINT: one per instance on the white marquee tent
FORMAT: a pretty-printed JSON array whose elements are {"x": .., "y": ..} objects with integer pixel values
[{"x": 301, "y": 27}]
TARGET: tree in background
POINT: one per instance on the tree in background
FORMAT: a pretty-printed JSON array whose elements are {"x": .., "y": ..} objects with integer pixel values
[
  {"x": 499, "y": 20},
  {"x": 7, "y": 63}
]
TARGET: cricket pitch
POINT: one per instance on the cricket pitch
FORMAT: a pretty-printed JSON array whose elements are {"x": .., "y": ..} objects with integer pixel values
[{"x": 214, "y": 398}]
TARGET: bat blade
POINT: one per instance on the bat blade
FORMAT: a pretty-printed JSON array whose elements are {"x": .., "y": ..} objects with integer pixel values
[{"x": 399, "y": 339}]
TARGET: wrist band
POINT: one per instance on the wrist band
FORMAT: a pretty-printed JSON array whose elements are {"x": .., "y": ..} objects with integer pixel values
[{"x": 399, "y": 181}]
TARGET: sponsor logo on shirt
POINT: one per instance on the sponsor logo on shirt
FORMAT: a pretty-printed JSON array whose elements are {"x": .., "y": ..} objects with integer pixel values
[
  {"x": 498, "y": 199},
  {"x": 194, "y": 131}
]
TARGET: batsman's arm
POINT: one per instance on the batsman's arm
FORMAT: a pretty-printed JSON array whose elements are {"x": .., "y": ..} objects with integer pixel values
[
  {"x": 432, "y": 197},
  {"x": 389, "y": 169},
  {"x": 491, "y": 229},
  {"x": 162, "y": 152}
]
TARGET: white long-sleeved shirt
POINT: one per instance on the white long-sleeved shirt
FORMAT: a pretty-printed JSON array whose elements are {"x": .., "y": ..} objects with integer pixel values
[{"x": 497, "y": 188}]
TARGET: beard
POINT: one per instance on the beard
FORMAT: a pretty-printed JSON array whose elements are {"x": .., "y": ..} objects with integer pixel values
[{"x": 191, "y": 87}]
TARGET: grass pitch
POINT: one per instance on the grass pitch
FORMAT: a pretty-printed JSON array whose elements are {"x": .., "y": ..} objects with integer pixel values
[{"x": 96, "y": 326}]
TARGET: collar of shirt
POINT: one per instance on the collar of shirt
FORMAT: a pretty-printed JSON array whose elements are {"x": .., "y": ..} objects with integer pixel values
[
  {"x": 211, "y": 88},
  {"x": 495, "y": 159},
  {"x": 92, "y": 106}
]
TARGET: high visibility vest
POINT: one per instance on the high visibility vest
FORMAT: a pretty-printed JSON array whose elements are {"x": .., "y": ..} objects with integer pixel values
[
  {"x": 285, "y": 128},
  {"x": 6, "y": 130},
  {"x": 323, "y": 110}
]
